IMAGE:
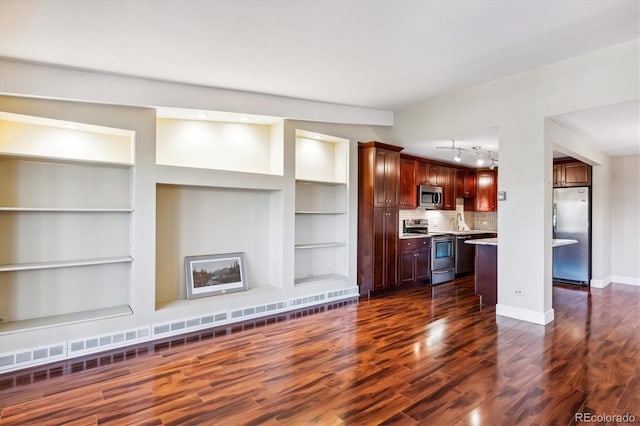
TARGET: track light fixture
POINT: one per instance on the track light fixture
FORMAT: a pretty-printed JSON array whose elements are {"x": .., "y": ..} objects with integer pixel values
[
  {"x": 480, "y": 159},
  {"x": 457, "y": 150}
]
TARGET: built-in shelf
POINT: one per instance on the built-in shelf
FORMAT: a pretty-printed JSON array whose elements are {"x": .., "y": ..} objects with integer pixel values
[
  {"x": 318, "y": 278},
  {"x": 318, "y": 245},
  {"x": 64, "y": 210},
  {"x": 64, "y": 319},
  {"x": 321, "y": 207},
  {"x": 321, "y": 182},
  {"x": 64, "y": 263},
  {"x": 319, "y": 212},
  {"x": 62, "y": 160}
]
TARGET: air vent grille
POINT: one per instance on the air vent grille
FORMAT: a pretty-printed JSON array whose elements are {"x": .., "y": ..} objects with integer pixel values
[{"x": 24, "y": 358}]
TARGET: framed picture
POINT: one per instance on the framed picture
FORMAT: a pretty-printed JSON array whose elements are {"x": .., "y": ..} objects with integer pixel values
[{"x": 212, "y": 274}]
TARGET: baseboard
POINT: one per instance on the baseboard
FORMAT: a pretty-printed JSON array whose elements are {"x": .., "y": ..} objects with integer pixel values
[
  {"x": 600, "y": 283},
  {"x": 625, "y": 280},
  {"x": 528, "y": 315}
]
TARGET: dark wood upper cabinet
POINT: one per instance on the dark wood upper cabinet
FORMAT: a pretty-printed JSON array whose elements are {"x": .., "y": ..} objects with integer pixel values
[
  {"x": 486, "y": 190},
  {"x": 567, "y": 173},
  {"x": 465, "y": 184},
  {"x": 447, "y": 180},
  {"x": 386, "y": 178},
  {"x": 408, "y": 188}
]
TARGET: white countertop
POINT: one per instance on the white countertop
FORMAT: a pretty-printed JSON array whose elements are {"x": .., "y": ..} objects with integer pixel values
[
  {"x": 494, "y": 242},
  {"x": 436, "y": 233}
]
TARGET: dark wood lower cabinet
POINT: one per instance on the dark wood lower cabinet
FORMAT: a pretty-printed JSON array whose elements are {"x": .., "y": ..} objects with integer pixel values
[
  {"x": 486, "y": 274},
  {"x": 414, "y": 261},
  {"x": 385, "y": 248}
]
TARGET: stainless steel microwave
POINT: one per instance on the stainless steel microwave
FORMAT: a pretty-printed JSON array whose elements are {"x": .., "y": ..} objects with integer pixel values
[{"x": 430, "y": 197}]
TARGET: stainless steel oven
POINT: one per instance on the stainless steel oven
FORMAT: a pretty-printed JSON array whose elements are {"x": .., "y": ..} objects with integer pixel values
[{"x": 442, "y": 259}]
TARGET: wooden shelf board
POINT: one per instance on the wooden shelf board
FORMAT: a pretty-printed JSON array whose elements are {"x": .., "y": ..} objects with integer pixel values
[
  {"x": 320, "y": 182},
  {"x": 319, "y": 212},
  {"x": 64, "y": 319},
  {"x": 318, "y": 245},
  {"x": 64, "y": 210},
  {"x": 64, "y": 263},
  {"x": 61, "y": 160},
  {"x": 317, "y": 278}
]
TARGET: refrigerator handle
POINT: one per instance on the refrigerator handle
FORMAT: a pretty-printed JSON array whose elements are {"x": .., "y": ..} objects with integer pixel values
[{"x": 554, "y": 220}]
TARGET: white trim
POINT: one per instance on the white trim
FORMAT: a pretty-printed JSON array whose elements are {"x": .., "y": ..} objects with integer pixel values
[
  {"x": 625, "y": 280},
  {"x": 521, "y": 314},
  {"x": 603, "y": 283}
]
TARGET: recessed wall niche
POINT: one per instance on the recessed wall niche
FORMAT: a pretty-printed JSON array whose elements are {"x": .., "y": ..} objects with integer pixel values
[
  {"x": 241, "y": 147},
  {"x": 193, "y": 220}
]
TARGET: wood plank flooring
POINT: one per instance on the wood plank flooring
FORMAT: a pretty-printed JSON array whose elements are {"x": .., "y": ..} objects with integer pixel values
[{"x": 404, "y": 358}]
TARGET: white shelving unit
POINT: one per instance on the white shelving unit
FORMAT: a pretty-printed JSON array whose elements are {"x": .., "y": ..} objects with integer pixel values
[
  {"x": 321, "y": 208},
  {"x": 66, "y": 217}
]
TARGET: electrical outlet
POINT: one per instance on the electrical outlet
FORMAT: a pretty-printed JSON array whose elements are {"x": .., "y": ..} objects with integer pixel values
[
  {"x": 519, "y": 292},
  {"x": 484, "y": 222},
  {"x": 3, "y": 318}
]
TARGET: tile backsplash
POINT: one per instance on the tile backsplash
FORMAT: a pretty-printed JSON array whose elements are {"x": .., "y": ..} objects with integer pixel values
[{"x": 445, "y": 220}]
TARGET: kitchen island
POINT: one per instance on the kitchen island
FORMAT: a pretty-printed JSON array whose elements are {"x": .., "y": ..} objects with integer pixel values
[{"x": 486, "y": 273}]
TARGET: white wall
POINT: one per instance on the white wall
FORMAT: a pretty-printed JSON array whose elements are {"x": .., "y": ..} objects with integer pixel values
[
  {"x": 518, "y": 105},
  {"x": 28, "y": 79},
  {"x": 625, "y": 219}
]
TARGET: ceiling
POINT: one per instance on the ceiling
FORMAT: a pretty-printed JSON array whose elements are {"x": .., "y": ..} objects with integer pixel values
[
  {"x": 612, "y": 129},
  {"x": 380, "y": 54}
]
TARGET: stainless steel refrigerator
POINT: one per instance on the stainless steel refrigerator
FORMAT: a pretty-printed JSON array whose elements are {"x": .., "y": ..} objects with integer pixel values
[{"x": 572, "y": 220}]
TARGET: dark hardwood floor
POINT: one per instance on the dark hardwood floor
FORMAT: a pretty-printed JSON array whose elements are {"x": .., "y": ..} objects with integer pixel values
[{"x": 408, "y": 357}]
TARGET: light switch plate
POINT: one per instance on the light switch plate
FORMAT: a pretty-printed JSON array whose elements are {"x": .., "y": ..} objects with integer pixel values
[{"x": 502, "y": 195}]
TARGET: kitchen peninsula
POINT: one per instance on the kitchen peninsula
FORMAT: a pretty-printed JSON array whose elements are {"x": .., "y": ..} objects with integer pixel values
[{"x": 486, "y": 268}]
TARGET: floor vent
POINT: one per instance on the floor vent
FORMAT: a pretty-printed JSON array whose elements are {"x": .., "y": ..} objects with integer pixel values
[
  {"x": 340, "y": 294},
  {"x": 308, "y": 300},
  {"x": 24, "y": 358},
  {"x": 188, "y": 324},
  {"x": 107, "y": 341}
]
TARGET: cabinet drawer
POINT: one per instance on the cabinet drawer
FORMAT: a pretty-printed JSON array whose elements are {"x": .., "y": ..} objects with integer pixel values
[
  {"x": 414, "y": 243},
  {"x": 423, "y": 243},
  {"x": 408, "y": 244}
]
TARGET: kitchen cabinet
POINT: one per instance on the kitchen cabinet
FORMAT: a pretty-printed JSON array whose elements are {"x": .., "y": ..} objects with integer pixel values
[
  {"x": 386, "y": 178},
  {"x": 427, "y": 173},
  {"x": 408, "y": 188},
  {"x": 414, "y": 261},
  {"x": 571, "y": 173},
  {"x": 486, "y": 190},
  {"x": 465, "y": 184},
  {"x": 447, "y": 180},
  {"x": 378, "y": 225},
  {"x": 486, "y": 270},
  {"x": 385, "y": 273}
]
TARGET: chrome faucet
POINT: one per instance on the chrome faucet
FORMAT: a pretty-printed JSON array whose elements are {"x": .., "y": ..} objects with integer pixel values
[{"x": 458, "y": 220}]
